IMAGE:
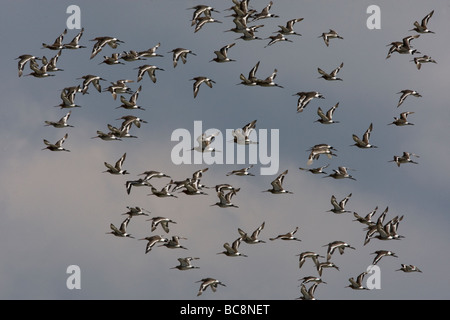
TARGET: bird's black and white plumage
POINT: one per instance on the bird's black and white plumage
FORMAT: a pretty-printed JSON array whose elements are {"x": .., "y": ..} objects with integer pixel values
[
  {"x": 253, "y": 238},
  {"x": 209, "y": 282},
  {"x": 332, "y": 75},
  {"x": 422, "y": 27},
  {"x": 304, "y": 98},
  {"x": 57, "y": 146},
  {"x": 117, "y": 168},
  {"x": 364, "y": 142},
  {"x": 277, "y": 184}
]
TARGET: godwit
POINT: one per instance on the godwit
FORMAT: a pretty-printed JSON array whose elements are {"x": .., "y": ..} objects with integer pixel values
[
  {"x": 68, "y": 97},
  {"x": 328, "y": 117},
  {"x": 269, "y": 81},
  {"x": 199, "y": 173},
  {"x": 424, "y": 59},
  {"x": 287, "y": 236},
  {"x": 240, "y": 22},
  {"x": 340, "y": 245},
  {"x": 152, "y": 240},
  {"x": 209, "y": 282},
  {"x": 289, "y": 28},
  {"x": 106, "y": 136},
  {"x": 357, "y": 285},
  {"x": 241, "y": 172},
  {"x": 177, "y": 185},
  {"x": 308, "y": 254},
  {"x": 332, "y": 75},
  {"x": 120, "y": 86},
  {"x": 406, "y": 47},
  {"x": 88, "y": 79},
  {"x": 405, "y": 93},
  {"x": 204, "y": 142},
  {"x": 39, "y": 72},
  {"x": 367, "y": 219},
  {"x": 57, "y": 44},
  {"x": 117, "y": 168},
  {"x": 101, "y": 42},
  {"x": 163, "y": 193},
  {"x": 201, "y": 21},
  {"x": 185, "y": 264},
  {"x": 150, "y": 52},
  {"x": 151, "y": 71},
  {"x": 311, "y": 279},
  {"x": 180, "y": 53},
  {"x": 308, "y": 294},
  {"x": 114, "y": 59},
  {"x": 122, "y": 231},
  {"x": 201, "y": 10},
  {"x": 123, "y": 131},
  {"x": 339, "y": 207},
  {"x": 225, "y": 199},
  {"x": 199, "y": 81},
  {"x": 408, "y": 268},
  {"x": 131, "y": 55},
  {"x": 422, "y": 28},
  {"x": 326, "y": 264},
  {"x": 233, "y": 250},
  {"x": 240, "y": 8},
  {"x": 24, "y": 59},
  {"x": 74, "y": 43},
  {"x": 330, "y": 35},
  {"x": 248, "y": 34},
  {"x": 341, "y": 173},
  {"x": 364, "y": 142},
  {"x": 305, "y": 98},
  {"x": 253, "y": 238},
  {"x": 318, "y": 170},
  {"x": 382, "y": 253},
  {"x": 162, "y": 221},
  {"x": 136, "y": 211},
  {"x": 132, "y": 102},
  {"x": 222, "y": 54},
  {"x": 242, "y": 136},
  {"x": 225, "y": 186},
  {"x": 402, "y": 120},
  {"x": 57, "y": 146},
  {"x": 251, "y": 80},
  {"x": 136, "y": 183},
  {"x": 51, "y": 64},
  {"x": 318, "y": 149},
  {"x": 61, "y": 123},
  {"x": 174, "y": 243},
  {"x": 132, "y": 119},
  {"x": 395, "y": 46},
  {"x": 405, "y": 158},
  {"x": 278, "y": 38},
  {"x": 265, "y": 13},
  {"x": 192, "y": 187},
  {"x": 277, "y": 185}
]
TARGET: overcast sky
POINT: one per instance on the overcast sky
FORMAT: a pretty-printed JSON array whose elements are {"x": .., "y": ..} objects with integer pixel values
[{"x": 57, "y": 206}]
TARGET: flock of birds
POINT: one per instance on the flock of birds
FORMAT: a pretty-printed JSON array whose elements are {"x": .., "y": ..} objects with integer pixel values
[{"x": 243, "y": 16}]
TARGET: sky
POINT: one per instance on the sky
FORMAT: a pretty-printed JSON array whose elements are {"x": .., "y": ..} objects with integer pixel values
[{"x": 57, "y": 206}]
